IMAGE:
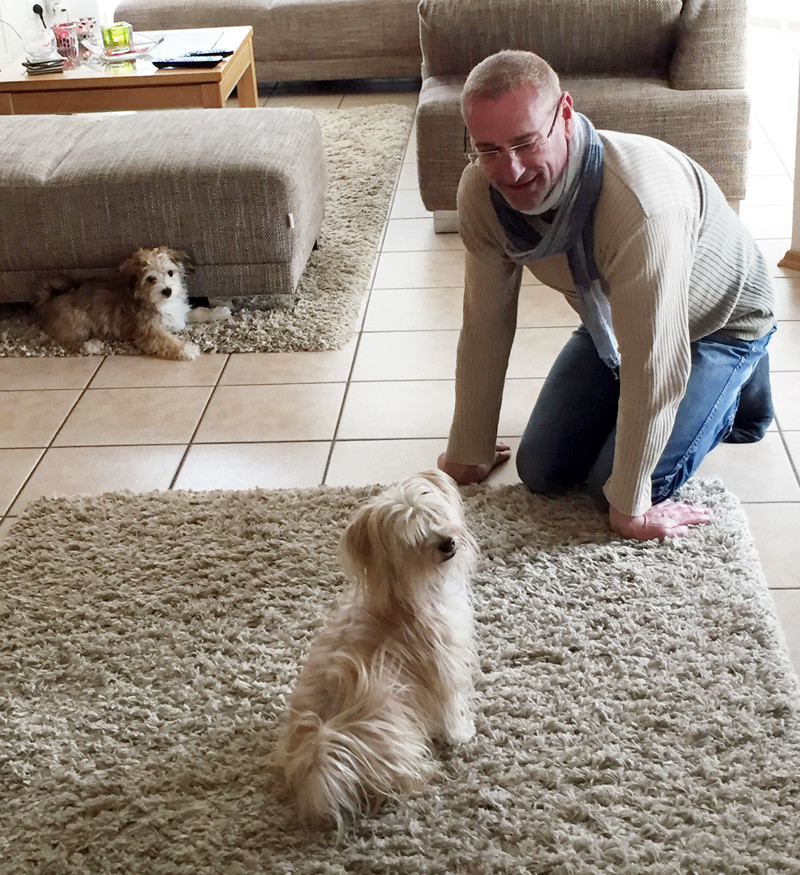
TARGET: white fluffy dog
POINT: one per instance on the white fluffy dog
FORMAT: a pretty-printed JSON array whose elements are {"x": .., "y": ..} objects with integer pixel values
[
  {"x": 144, "y": 305},
  {"x": 393, "y": 666}
]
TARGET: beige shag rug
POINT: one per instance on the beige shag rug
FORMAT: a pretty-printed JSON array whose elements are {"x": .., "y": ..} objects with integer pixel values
[
  {"x": 364, "y": 150},
  {"x": 637, "y": 712}
]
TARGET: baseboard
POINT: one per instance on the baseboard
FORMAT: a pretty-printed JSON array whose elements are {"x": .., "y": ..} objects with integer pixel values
[{"x": 445, "y": 221}]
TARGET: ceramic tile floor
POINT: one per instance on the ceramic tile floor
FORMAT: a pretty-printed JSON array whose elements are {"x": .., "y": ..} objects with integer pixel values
[{"x": 380, "y": 408}]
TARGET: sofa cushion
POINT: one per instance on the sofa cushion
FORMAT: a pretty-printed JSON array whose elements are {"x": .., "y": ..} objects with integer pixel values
[
  {"x": 630, "y": 38},
  {"x": 711, "y": 46},
  {"x": 341, "y": 28}
]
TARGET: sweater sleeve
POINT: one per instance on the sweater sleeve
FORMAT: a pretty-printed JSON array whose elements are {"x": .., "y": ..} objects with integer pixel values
[
  {"x": 648, "y": 283},
  {"x": 491, "y": 291}
]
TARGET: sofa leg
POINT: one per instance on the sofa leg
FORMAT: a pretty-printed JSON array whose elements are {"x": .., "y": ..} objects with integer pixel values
[{"x": 445, "y": 221}]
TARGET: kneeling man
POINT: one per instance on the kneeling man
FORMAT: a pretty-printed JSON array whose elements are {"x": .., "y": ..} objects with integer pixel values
[{"x": 675, "y": 300}]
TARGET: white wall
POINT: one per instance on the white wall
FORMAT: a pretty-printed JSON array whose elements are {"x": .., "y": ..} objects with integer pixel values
[
  {"x": 774, "y": 13},
  {"x": 19, "y": 14}
]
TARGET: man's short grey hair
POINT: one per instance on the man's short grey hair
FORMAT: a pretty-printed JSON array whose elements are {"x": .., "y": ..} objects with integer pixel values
[{"x": 506, "y": 71}]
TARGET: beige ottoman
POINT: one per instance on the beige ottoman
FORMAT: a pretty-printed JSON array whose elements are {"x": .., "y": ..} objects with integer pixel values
[{"x": 241, "y": 190}]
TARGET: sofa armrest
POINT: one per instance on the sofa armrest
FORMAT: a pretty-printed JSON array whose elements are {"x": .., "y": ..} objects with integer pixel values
[
  {"x": 441, "y": 141},
  {"x": 711, "y": 47}
]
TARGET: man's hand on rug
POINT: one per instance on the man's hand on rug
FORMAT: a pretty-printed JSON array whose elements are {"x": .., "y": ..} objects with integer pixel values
[
  {"x": 475, "y": 473},
  {"x": 670, "y": 519}
]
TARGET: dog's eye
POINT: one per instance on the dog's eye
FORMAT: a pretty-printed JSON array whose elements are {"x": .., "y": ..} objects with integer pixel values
[
  {"x": 170, "y": 272},
  {"x": 151, "y": 279}
]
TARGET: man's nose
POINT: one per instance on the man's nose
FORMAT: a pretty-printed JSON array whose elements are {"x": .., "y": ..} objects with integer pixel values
[{"x": 510, "y": 166}]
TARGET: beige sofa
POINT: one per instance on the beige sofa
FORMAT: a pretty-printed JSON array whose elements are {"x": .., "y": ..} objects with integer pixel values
[
  {"x": 302, "y": 39},
  {"x": 669, "y": 69}
]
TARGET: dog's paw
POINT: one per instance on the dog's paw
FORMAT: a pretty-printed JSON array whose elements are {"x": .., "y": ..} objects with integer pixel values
[
  {"x": 221, "y": 314},
  {"x": 463, "y": 731},
  {"x": 189, "y": 352},
  {"x": 210, "y": 314},
  {"x": 93, "y": 347}
]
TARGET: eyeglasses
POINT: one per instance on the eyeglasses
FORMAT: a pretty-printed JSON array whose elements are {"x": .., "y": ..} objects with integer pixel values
[{"x": 487, "y": 157}]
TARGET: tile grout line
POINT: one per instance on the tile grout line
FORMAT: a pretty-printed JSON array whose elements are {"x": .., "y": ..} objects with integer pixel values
[
  {"x": 190, "y": 442},
  {"x": 794, "y": 466},
  {"x": 49, "y": 446},
  {"x": 365, "y": 307}
]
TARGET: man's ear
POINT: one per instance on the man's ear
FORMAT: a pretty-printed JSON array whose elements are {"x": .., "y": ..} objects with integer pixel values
[{"x": 568, "y": 113}]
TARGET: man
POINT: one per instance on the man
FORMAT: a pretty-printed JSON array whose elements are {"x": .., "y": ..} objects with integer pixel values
[{"x": 675, "y": 299}]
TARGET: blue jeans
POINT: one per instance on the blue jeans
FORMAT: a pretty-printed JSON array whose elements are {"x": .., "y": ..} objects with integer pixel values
[{"x": 569, "y": 440}]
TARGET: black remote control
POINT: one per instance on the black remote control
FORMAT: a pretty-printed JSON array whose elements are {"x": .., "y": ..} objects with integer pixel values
[
  {"x": 203, "y": 54},
  {"x": 182, "y": 61}
]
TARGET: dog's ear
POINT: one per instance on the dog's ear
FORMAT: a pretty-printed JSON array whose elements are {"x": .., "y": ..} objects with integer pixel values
[
  {"x": 180, "y": 257},
  {"x": 132, "y": 267},
  {"x": 444, "y": 483},
  {"x": 364, "y": 555},
  {"x": 355, "y": 544}
]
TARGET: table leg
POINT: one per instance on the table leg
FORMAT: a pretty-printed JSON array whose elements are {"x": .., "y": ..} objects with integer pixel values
[
  {"x": 247, "y": 87},
  {"x": 212, "y": 97}
]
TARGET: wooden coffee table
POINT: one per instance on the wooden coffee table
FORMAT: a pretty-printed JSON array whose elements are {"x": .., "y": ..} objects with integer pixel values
[{"x": 97, "y": 86}]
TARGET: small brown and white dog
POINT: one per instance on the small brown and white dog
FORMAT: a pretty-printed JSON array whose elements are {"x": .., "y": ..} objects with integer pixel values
[
  {"x": 144, "y": 305},
  {"x": 393, "y": 667}
]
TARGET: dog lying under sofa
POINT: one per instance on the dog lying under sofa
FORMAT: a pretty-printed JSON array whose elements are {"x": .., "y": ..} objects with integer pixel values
[
  {"x": 145, "y": 305},
  {"x": 243, "y": 194}
]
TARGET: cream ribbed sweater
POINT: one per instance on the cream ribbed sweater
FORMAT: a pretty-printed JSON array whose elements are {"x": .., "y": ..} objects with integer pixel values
[{"x": 674, "y": 270}]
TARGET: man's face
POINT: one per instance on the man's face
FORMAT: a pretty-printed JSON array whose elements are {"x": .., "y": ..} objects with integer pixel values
[{"x": 527, "y": 176}]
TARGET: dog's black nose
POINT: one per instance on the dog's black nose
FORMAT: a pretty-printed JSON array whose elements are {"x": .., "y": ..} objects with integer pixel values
[
  {"x": 166, "y": 292},
  {"x": 447, "y": 546}
]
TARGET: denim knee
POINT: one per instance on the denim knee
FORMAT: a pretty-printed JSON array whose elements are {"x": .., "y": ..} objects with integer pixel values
[
  {"x": 754, "y": 413},
  {"x": 666, "y": 483},
  {"x": 541, "y": 479}
]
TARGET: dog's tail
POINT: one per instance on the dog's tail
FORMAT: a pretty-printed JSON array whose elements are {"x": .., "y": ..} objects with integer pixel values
[
  {"x": 374, "y": 747},
  {"x": 52, "y": 286}
]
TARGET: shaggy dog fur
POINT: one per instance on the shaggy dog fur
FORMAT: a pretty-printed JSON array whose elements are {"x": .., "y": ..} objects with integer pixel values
[
  {"x": 393, "y": 667},
  {"x": 144, "y": 306}
]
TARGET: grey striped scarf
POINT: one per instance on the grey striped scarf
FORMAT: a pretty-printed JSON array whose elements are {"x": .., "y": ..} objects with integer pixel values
[{"x": 571, "y": 232}]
